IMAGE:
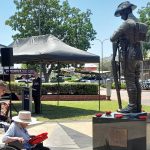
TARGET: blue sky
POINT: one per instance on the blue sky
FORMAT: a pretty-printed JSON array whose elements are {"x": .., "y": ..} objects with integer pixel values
[{"x": 103, "y": 20}]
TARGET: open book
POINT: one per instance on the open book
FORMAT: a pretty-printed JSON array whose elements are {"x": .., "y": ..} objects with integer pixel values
[{"x": 38, "y": 138}]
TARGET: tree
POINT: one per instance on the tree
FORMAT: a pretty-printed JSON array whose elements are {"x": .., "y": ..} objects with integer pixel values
[
  {"x": 146, "y": 49},
  {"x": 107, "y": 65},
  {"x": 35, "y": 67},
  {"x": 145, "y": 18},
  {"x": 69, "y": 24}
]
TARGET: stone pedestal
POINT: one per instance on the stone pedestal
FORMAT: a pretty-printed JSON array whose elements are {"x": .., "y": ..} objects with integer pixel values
[
  {"x": 119, "y": 134},
  {"x": 148, "y": 134}
]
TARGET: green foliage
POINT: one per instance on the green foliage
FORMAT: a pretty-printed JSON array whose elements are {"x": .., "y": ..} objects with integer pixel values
[
  {"x": 69, "y": 24},
  {"x": 68, "y": 79},
  {"x": 64, "y": 88},
  {"x": 107, "y": 65},
  {"x": 35, "y": 67},
  {"x": 145, "y": 18},
  {"x": 146, "y": 49},
  {"x": 16, "y": 87},
  {"x": 123, "y": 85},
  {"x": 70, "y": 88}
]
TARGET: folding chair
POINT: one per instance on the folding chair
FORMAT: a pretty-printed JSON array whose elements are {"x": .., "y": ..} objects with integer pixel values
[
  {"x": 8, "y": 148},
  {"x": 11, "y": 146},
  {"x": 5, "y": 114}
]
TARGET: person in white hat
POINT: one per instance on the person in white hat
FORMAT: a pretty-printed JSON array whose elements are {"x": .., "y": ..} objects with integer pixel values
[{"x": 18, "y": 132}]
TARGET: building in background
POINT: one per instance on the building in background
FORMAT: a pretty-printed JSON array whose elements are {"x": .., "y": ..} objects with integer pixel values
[{"x": 90, "y": 67}]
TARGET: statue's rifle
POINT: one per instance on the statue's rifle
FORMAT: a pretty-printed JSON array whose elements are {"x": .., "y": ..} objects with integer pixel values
[{"x": 116, "y": 71}]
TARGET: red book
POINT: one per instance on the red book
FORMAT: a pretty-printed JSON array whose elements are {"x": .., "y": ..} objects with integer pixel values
[{"x": 38, "y": 138}]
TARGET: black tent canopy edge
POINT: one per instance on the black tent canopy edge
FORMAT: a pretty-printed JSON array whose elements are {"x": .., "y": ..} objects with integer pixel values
[{"x": 48, "y": 48}]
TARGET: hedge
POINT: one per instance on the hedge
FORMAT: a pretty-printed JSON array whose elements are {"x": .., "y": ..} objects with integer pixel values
[
  {"x": 123, "y": 85},
  {"x": 64, "y": 88}
]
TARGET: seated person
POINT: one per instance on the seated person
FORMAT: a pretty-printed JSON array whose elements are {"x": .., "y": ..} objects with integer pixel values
[
  {"x": 5, "y": 93},
  {"x": 3, "y": 88},
  {"x": 4, "y": 106},
  {"x": 5, "y": 101},
  {"x": 18, "y": 132}
]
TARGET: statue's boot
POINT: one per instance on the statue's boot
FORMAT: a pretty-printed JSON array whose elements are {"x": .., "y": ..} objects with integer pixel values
[
  {"x": 131, "y": 108},
  {"x": 133, "y": 103}
]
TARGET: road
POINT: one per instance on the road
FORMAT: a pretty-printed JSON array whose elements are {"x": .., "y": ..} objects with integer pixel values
[{"x": 124, "y": 95}]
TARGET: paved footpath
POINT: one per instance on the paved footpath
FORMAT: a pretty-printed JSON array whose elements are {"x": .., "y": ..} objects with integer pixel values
[
  {"x": 64, "y": 135},
  {"x": 124, "y": 96}
]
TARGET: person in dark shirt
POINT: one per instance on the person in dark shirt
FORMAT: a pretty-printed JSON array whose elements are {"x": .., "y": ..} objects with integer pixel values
[{"x": 36, "y": 93}]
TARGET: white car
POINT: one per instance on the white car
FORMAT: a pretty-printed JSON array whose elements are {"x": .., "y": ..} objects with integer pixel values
[{"x": 24, "y": 80}]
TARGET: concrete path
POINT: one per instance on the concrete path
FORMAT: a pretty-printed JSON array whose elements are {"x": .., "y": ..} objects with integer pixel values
[
  {"x": 64, "y": 135},
  {"x": 124, "y": 95}
]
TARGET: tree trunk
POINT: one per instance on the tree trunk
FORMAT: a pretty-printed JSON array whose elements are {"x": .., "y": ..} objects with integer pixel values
[
  {"x": 46, "y": 76},
  {"x": 45, "y": 72}
]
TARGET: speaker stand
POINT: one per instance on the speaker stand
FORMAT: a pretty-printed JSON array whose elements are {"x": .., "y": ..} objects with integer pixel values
[{"x": 10, "y": 97}]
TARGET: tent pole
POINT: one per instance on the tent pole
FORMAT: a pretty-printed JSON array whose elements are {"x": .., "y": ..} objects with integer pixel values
[
  {"x": 58, "y": 89},
  {"x": 3, "y": 75},
  {"x": 10, "y": 97},
  {"x": 99, "y": 87},
  {"x": 41, "y": 86},
  {"x": 41, "y": 71},
  {"x": 27, "y": 74}
]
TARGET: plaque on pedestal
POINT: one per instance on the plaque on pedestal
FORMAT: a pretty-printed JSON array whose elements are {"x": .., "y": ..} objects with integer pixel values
[{"x": 119, "y": 134}]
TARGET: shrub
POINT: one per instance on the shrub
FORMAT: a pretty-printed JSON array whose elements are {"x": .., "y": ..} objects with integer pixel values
[
  {"x": 123, "y": 85},
  {"x": 63, "y": 88},
  {"x": 17, "y": 87},
  {"x": 70, "y": 88}
]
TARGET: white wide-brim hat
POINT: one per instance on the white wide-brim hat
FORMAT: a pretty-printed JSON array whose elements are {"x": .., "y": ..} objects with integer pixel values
[{"x": 24, "y": 117}]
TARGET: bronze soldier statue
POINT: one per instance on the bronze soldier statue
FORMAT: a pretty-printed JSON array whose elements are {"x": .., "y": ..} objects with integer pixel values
[{"x": 127, "y": 40}]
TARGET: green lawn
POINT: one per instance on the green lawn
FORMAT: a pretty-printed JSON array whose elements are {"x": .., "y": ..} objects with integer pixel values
[{"x": 72, "y": 110}]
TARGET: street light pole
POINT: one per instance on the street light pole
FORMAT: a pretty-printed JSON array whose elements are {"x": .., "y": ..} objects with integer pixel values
[{"x": 102, "y": 43}]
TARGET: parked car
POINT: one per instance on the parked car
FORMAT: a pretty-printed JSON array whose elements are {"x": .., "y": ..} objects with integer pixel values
[
  {"x": 145, "y": 84},
  {"x": 24, "y": 80},
  {"x": 90, "y": 79}
]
